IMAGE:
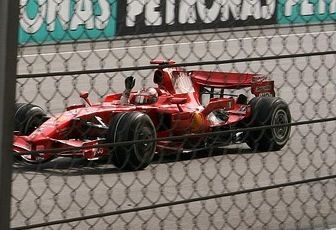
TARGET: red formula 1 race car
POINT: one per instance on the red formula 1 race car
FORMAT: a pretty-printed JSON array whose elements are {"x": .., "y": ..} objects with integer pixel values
[{"x": 183, "y": 103}]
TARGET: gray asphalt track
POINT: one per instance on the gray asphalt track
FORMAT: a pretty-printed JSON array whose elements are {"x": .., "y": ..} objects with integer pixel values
[{"x": 67, "y": 188}]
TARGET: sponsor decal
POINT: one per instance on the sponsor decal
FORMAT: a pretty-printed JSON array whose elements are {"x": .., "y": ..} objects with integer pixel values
[
  {"x": 61, "y": 20},
  {"x": 266, "y": 94},
  {"x": 263, "y": 88},
  {"x": 306, "y": 11},
  {"x": 148, "y": 16}
]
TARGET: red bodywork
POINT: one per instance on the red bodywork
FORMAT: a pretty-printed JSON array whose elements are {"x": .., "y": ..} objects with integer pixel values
[{"x": 178, "y": 111}]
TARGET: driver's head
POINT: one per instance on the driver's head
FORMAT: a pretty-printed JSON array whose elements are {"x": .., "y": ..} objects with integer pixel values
[
  {"x": 152, "y": 92},
  {"x": 153, "y": 95},
  {"x": 147, "y": 96}
]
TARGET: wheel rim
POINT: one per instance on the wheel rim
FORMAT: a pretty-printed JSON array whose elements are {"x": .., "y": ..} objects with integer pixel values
[
  {"x": 280, "y": 134},
  {"x": 144, "y": 149}
]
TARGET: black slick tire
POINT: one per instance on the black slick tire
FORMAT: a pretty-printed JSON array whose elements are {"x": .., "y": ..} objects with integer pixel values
[
  {"x": 131, "y": 126},
  {"x": 28, "y": 117},
  {"x": 269, "y": 111}
]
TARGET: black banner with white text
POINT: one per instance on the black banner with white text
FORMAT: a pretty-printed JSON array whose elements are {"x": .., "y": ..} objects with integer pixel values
[{"x": 150, "y": 16}]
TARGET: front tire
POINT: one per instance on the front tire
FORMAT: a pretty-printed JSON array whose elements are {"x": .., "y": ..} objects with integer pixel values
[
  {"x": 269, "y": 111},
  {"x": 28, "y": 117},
  {"x": 132, "y": 126}
]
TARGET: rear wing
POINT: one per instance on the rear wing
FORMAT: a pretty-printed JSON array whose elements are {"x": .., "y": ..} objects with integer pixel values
[{"x": 260, "y": 85}]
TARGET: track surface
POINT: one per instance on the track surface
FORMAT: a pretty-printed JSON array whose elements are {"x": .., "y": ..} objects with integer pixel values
[{"x": 67, "y": 188}]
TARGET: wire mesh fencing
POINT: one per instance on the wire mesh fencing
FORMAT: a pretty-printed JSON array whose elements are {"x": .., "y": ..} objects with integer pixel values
[{"x": 231, "y": 126}]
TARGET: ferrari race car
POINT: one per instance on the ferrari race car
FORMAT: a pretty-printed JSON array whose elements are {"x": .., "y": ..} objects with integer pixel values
[{"x": 183, "y": 104}]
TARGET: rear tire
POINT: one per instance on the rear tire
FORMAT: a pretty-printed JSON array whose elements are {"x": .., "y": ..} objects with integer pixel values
[
  {"x": 269, "y": 111},
  {"x": 132, "y": 126}
]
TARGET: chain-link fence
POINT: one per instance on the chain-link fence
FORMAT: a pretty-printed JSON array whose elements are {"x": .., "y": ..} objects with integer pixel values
[{"x": 237, "y": 133}]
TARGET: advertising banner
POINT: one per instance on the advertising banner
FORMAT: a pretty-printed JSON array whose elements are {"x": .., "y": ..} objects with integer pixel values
[
  {"x": 150, "y": 16},
  {"x": 51, "y": 21},
  {"x": 43, "y": 21},
  {"x": 306, "y": 11}
]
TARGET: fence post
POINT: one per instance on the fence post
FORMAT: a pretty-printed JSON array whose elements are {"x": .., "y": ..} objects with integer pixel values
[{"x": 9, "y": 11}]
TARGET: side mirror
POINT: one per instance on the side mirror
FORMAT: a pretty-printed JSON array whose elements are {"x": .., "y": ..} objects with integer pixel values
[{"x": 85, "y": 96}]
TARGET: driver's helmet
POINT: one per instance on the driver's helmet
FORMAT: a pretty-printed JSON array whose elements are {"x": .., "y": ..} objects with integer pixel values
[{"x": 147, "y": 96}]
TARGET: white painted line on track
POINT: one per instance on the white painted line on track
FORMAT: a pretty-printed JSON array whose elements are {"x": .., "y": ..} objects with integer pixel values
[{"x": 177, "y": 44}]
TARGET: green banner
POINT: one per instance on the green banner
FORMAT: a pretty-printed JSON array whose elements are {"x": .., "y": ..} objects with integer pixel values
[
  {"x": 306, "y": 11},
  {"x": 50, "y": 21}
]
